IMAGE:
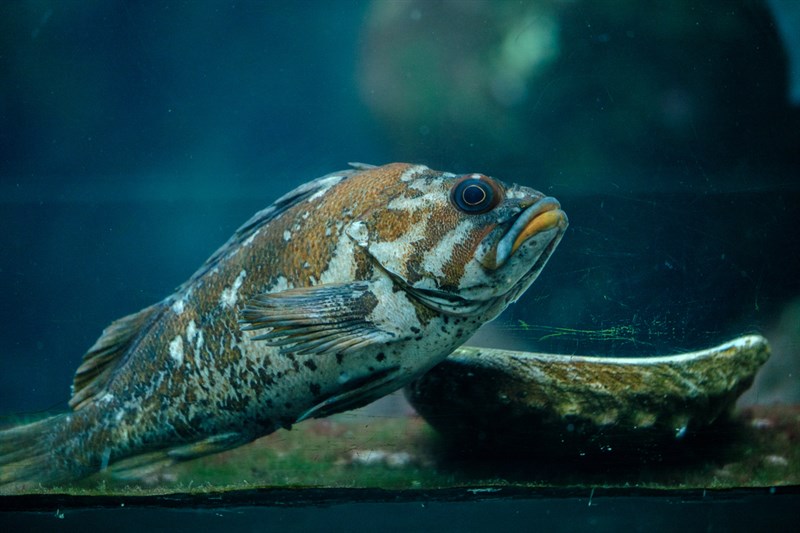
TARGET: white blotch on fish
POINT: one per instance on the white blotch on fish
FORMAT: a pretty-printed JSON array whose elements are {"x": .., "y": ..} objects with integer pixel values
[
  {"x": 176, "y": 349},
  {"x": 230, "y": 294}
]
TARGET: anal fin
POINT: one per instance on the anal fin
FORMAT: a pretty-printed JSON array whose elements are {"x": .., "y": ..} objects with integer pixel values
[
  {"x": 356, "y": 394},
  {"x": 143, "y": 465}
]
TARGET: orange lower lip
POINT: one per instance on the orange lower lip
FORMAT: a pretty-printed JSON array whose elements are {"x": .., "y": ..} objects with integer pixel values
[
  {"x": 543, "y": 222},
  {"x": 543, "y": 215}
]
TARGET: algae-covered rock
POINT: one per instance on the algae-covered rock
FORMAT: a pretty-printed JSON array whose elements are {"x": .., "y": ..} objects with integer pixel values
[{"x": 562, "y": 403}]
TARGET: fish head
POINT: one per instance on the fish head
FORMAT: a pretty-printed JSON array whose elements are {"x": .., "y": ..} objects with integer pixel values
[{"x": 460, "y": 243}]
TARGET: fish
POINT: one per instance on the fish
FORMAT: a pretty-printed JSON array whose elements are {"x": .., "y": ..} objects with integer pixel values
[{"x": 342, "y": 291}]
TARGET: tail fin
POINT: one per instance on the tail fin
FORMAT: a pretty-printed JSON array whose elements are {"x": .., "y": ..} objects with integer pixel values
[
  {"x": 28, "y": 456},
  {"x": 64, "y": 448}
]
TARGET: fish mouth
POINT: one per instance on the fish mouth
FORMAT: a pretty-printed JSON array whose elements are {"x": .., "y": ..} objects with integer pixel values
[{"x": 543, "y": 217}]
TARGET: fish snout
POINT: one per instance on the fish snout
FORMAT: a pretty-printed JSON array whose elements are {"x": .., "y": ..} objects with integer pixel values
[{"x": 539, "y": 216}]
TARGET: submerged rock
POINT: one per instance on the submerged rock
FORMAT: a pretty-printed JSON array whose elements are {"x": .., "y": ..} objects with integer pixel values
[{"x": 484, "y": 397}]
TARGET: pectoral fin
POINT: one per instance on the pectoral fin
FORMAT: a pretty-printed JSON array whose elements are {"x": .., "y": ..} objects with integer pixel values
[
  {"x": 332, "y": 318},
  {"x": 357, "y": 393}
]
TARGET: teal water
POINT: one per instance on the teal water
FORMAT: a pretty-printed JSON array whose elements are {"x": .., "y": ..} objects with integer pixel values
[{"x": 135, "y": 138}]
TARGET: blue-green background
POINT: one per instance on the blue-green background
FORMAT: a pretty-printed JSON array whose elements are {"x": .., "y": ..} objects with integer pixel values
[{"x": 136, "y": 136}]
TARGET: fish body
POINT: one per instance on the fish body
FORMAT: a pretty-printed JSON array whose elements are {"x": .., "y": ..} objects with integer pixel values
[{"x": 342, "y": 291}]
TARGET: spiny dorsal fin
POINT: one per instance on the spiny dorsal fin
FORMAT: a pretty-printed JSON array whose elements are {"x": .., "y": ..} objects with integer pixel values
[
  {"x": 361, "y": 166},
  {"x": 106, "y": 354},
  {"x": 257, "y": 221}
]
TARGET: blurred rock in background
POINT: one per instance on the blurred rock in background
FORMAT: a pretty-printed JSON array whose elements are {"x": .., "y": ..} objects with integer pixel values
[{"x": 583, "y": 93}]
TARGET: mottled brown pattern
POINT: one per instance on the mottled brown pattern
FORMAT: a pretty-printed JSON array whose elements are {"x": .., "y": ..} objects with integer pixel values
[
  {"x": 309, "y": 250},
  {"x": 462, "y": 252},
  {"x": 189, "y": 380},
  {"x": 393, "y": 224},
  {"x": 442, "y": 220}
]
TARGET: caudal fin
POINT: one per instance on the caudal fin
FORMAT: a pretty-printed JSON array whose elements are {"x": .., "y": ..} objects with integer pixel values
[{"x": 27, "y": 455}]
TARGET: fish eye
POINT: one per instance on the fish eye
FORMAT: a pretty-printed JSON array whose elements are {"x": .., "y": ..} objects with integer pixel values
[{"x": 475, "y": 194}]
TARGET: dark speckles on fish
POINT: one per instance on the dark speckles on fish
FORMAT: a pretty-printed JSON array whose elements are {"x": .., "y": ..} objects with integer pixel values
[{"x": 342, "y": 291}]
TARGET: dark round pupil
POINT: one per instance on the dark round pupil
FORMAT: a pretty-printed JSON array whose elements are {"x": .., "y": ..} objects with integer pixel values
[{"x": 473, "y": 195}]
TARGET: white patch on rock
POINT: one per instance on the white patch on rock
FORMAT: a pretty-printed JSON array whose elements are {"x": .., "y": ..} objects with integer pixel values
[
  {"x": 287, "y": 235},
  {"x": 230, "y": 294},
  {"x": 176, "y": 349}
]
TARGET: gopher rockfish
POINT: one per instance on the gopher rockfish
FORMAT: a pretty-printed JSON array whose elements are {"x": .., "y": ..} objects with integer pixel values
[{"x": 341, "y": 292}]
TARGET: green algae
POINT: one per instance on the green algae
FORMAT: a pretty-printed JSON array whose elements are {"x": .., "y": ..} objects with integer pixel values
[{"x": 756, "y": 449}]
